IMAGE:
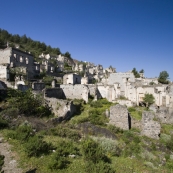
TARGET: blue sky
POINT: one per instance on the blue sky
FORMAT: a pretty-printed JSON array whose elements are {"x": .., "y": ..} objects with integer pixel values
[{"x": 121, "y": 33}]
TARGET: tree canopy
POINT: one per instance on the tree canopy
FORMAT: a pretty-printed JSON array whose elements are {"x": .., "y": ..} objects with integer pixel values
[
  {"x": 135, "y": 72},
  {"x": 148, "y": 99},
  {"x": 27, "y": 44},
  {"x": 163, "y": 77}
]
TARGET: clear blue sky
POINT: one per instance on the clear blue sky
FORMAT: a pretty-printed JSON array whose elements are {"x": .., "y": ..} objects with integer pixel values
[{"x": 121, "y": 33}]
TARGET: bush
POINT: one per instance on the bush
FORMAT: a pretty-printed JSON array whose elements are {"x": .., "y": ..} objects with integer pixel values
[
  {"x": 131, "y": 109},
  {"x": 59, "y": 159},
  {"x": 57, "y": 162},
  {"x": 131, "y": 149},
  {"x": 65, "y": 133},
  {"x": 109, "y": 146},
  {"x": 115, "y": 129},
  {"x": 27, "y": 103},
  {"x": 1, "y": 161},
  {"x": 169, "y": 144},
  {"x": 3, "y": 123},
  {"x": 22, "y": 133},
  {"x": 35, "y": 146},
  {"x": 10, "y": 112},
  {"x": 97, "y": 117},
  {"x": 100, "y": 167},
  {"x": 96, "y": 104},
  {"x": 92, "y": 151}
]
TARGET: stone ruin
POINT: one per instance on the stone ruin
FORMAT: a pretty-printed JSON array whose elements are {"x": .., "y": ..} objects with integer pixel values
[
  {"x": 150, "y": 127},
  {"x": 62, "y": 109},
  {"x": 120, "y": 117}
]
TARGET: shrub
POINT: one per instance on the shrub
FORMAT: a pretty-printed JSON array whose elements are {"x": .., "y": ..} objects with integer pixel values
[
  {"x": 65, "y": 133},
  {"x": 97, "y": 117},
  {"x": 92, "y": 151},
  {"x": 64, "y": 148},
  {"x": 131, "y": 149},
  {"x": 131, "y": 109},
  {"x": 1, "y": 161},
  {"x": 100, "y": 167},
  {"x": 22, "y": 133},
  {"x": 169, "y": 144},
  {"x": 57, "y": 162},
  {"x": 35, "y": 146},
  {"x": 59, "y": 159},
  {"x": 48, "y": 80},
  {"x": 10, "y": 112},
  {"x": 26, "y": 102},
  {"x": 165, "y": 138},
  {"x": 96, "y": 104},
  {"x": 109, "y": 146},
  {"x": 115, "y": 129},
  {"x": 3, "y": 123}
]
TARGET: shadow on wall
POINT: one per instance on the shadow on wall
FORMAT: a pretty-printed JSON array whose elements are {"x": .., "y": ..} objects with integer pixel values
[{"x": 129, "y": 120}]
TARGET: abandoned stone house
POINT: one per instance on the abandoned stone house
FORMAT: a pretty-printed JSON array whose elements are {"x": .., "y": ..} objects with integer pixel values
[
  {"x": 113, "y": 87},
  {"x": 71, "y": 79},
  {"x": 19, "y": 61}
]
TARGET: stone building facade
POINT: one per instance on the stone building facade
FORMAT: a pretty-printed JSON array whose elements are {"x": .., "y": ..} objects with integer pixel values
[
  {"x": 71, "y": 79},
  {"x": 15, "y": 59}
]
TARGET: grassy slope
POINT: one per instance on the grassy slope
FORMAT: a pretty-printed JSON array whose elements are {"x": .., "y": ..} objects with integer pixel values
[{"x": 130, "y": 152}]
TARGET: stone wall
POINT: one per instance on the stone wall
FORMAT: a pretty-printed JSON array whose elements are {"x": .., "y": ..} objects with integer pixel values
[
  {"x": 38, "y": 86},
  {"x": 3, "y": 72},
  {"x": 71, "y": 79},
  {"x": 119, "y": 117},
  {"x": 84, "y": 80},
  {"x": 22, "y": 87},
  {"x": 5, "y": 55},
  {"x": 75, "y": 91},
  {"x": 54, "y": 93},
  {"x": 92, "y": 89},
  {"x": 128, "y": 103},
  {"x": 150, "y": 127}
]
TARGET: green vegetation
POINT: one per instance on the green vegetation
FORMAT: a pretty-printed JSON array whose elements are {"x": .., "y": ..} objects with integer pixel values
[
  {"x": 25, "y": 103},
  {"x": 148, "y": 99},
  {"x": 163, "y": 77},
  {"x": 136, "y": 73},
  {"x": 135, "y": 113},
  {"x": 1, "y": 162},
  {"x": 48, "y": 80},
  {"x": 3, "y": 123},
  {"x": 27, "y": 44},
  {"x": 94, "y": 112}
]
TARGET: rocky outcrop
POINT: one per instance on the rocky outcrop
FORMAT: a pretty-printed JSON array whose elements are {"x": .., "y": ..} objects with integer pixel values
[
  {"x": 119, "y": 117},
  {"x": 62, "y": 109},
  {"x": 150, "y": 127}
]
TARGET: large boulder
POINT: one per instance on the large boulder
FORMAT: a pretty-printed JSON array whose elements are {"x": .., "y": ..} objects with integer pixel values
[
  {"x": 119, "y": 117},
  {"x": 62, "y": 109}
]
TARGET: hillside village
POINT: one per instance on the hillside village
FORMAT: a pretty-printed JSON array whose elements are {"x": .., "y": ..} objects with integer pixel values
[
  {"x": 61, "y": 81},
  {"x": 72, "y": 79}
]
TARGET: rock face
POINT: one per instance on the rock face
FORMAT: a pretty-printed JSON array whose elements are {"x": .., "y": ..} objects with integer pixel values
[
  {"x": 61, "y": 108},
  {"x": 119, "y": 117},
  {"x": 150, "y": 127}
]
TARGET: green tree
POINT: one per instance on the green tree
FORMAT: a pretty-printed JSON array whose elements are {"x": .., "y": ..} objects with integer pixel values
[
  {"x": 163, "y": 77},
  {"x": 148, "y": 99},
  {"x": 135, "y": 72},
  {"x": 141, "y": 71},
  {"x": 67, "y": 54}
]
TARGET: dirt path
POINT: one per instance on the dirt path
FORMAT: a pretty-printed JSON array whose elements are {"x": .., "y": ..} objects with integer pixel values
[{"x": 10, "y": 164}]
